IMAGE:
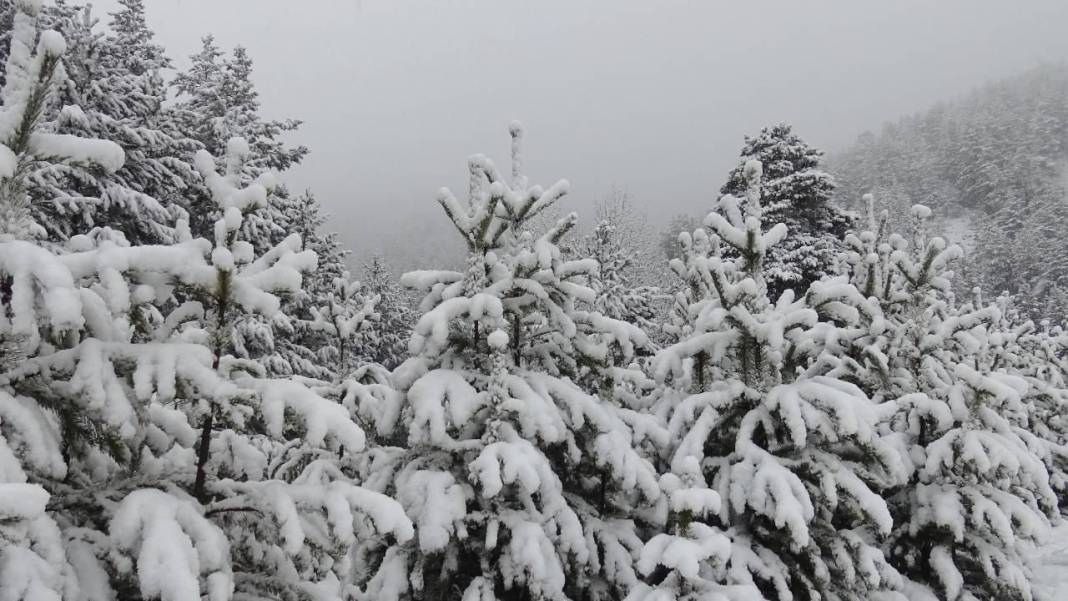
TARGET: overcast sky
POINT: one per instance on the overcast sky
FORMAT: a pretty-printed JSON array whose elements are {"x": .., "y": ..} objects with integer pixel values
[{"x": 651, "y": 97}]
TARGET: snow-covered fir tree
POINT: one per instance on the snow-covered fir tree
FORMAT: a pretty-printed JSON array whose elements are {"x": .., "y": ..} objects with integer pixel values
[
  {"x": 295, "y": 342},
  {"x": 634, "y": 233},
  {"x": 33, "y": 74},
  {"x": 521, "y": 485},
  {"x": 617, "y": 293},
  {"x": 774, "y": 475},
  {"x": 138, "y": 457},
  {"x": 344, "y": 321},
  {"x": 978, "y": 494},
  {"x": 796, "y": 192},
  {"x": 216, "y": 101},
  {"x": 387, "y": 344},
  {"x": 1037, "y": 354},
  {"x": 100, "y": 96}
]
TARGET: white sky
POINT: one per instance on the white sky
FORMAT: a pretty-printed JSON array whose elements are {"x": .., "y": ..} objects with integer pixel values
[{"x": 650, "y": 96}]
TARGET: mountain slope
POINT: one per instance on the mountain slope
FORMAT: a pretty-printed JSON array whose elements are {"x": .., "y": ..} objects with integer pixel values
[{"x": 992, "y": 165}]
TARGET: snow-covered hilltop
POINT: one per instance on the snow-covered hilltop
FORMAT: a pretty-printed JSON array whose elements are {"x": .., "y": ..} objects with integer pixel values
[{"x": 199, "y": 401}]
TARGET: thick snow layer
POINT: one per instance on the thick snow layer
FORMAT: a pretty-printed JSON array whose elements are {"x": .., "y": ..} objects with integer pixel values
[
  {"x": 1051, "y": 567},
  {"x": 105, "y": 153},
  {"x": 8, "y": 162}
]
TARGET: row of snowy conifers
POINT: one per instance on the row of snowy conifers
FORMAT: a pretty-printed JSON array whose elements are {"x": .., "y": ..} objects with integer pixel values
[{"x": 872, "y": 439}]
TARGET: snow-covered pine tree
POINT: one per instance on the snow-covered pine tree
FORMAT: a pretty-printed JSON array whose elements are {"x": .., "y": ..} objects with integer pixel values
[
  {"x": 521, "y": 485},
  {"x": 298, "y": 461},
  {"x": 255, "y": 503},
  {"x": 33, "y": 555},
  {"x": 775, "y": 475},
  {"x": 617, "y": 293},
  {"x": 216, "y": 101},
  {"x": 32, "y": 78},
  {"x": 344, "y": 321},
  {"x": 978, "y": 493},
  {"x": 387, "y": 344},
  {"x": 1037, "y": 353},
  {"x": 634, "y": 233},
  {"x": 158, "y": 152},
  {"x": 107, "y": 489},
  {"x": 99, "y": 96},
  {"x": 294, "y": 342},
  {"x": 133, "y": 44},
  {"x": 796, "y": 192}
]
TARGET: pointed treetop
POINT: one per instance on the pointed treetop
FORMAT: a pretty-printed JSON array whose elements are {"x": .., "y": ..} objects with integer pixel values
[
  {"x": 132, "y": 40},
  {"x": 496, "y": 211},
  {"x": 754, "y": 170},
  {"x": 515, "y": 130}
]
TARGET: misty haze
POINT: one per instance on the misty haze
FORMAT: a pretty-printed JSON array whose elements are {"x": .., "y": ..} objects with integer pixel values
[{"x": 474, "y": 300}]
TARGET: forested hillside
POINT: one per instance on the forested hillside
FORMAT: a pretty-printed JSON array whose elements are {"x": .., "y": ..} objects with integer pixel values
[{"x": 992, "y": 166}]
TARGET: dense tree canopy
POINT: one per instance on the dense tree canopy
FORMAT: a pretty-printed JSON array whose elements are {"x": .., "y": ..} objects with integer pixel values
[{"x": 200, "y": 400}]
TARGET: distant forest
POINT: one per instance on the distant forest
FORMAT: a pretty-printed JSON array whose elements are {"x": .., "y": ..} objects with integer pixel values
[{"x": 992, "y": 167}]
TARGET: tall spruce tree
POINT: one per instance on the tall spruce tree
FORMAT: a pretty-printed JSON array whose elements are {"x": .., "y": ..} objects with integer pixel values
[
  {"x": 521, "y": 485},
  {"x": 217, "y": 100},
  {"x": 978, "y": 494},
  {"x": 388, "y": 343},
  {"x": 107, "y": 489},
  {"x": 105, "y": 96},
  {"x": 617, "y": 293},
  {"x": 774, "y": 475},
  {"x": 796, "y": 192}
]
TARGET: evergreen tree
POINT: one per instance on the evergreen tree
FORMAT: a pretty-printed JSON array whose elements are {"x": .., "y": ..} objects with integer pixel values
[
  {"x": 669, "y": 238},
  {"x": 295, "y": 342},
  {"x": 978, "y": 495},
  {"x": 107, "y": 488},
  {"x": 989, "y": 164},
  {"x": 521, "y": 485},
  {"x": 388, "y": 343},
  {"x": 796, "y": 192},
  {"x": 104, "y": 97},
  {"x": 346, "y": 319},
  {"x": 633, "y": 232},
  {"x": 32, "y": 79},
  {"x": 217, "y": 100},
  {"x": 207, "y": 478},
  {"x": 133, "y": 44},
  {"x": 775, "y": 474},
  {"x": 616, "y": 294}
]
